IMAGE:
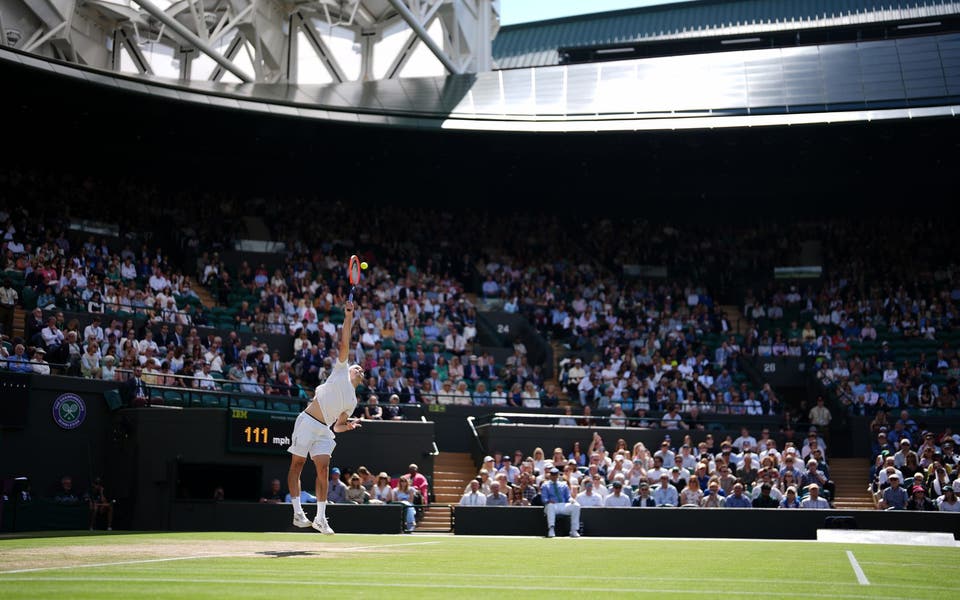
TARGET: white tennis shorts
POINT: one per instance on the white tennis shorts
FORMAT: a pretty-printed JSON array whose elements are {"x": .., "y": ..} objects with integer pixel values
[{"x": 311, "y": 437}]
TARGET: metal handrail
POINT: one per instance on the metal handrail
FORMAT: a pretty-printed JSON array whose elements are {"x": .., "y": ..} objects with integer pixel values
[{"x": 481, "y": 451}]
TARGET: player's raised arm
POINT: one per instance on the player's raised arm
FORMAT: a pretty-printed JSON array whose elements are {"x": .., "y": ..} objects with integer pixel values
[{"x": 346, "y": 334}]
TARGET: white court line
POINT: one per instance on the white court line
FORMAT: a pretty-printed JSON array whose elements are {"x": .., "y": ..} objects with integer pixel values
[
  {"x": 118, "y": 563},
  {"x": 857, "y": 570},
  {"x": 484, "y": 586},
  {"x": 353, "y": 548},
  {"x": 157, "y": 560}
]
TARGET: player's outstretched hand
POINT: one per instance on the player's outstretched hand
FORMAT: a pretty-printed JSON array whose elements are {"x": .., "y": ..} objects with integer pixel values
[{"x": 348, "y": 306}]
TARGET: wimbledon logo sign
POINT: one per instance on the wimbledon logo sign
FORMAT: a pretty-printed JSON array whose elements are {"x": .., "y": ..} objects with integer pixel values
[{"x": 69, "y": 411}]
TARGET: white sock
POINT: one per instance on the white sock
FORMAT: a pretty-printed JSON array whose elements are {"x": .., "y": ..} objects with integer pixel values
[
  {"x": 321, "y": 509},
  {"x": 297, "y": 509}
]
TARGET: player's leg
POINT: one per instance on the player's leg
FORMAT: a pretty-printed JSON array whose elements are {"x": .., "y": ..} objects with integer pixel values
[
  {"x": 299, "y": 449},
  {"x": 293, "y": 484},
  {"x": 322, "y": 464}
]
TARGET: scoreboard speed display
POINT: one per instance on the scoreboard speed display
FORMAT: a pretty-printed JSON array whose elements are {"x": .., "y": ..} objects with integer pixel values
[{"x": 259, "y": 431}]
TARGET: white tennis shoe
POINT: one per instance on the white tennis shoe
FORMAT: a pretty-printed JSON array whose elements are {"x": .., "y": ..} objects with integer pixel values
[
  {"x": 322, "y": 526},
  {"x": 301, "y": 520}
]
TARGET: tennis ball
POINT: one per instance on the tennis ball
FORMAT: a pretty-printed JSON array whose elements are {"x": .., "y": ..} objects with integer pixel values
[{"x": 363, "y": 265}]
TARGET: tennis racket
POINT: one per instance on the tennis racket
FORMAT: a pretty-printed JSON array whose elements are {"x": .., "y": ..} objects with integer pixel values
[{"x": 353, "y": 273}]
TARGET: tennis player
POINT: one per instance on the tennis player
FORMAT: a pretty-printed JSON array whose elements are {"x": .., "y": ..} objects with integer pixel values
[{"x": 314, "y": 432}]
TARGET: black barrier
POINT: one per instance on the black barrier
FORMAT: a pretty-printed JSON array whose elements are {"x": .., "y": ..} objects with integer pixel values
[
  {"x": 174, "y": 453},
  {"x": 696, "y": 522},
  {"x": 42, "y": 514},
  {"x": 248, "y": 516}
]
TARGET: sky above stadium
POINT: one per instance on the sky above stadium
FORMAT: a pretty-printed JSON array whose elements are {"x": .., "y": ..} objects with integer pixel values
[{"x": 524, "y": 11}]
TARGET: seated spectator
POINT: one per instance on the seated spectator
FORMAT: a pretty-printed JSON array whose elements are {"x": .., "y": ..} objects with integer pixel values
[
  {"x": 691, "y": 495},
  {"x": 765, "y": 499},
  {"x": 947, "y": 502},
  {"x": 100, "y": 504},
  {"x": 474, "y": 496},
  {"x": 588, "y": 495},
  {"x": 65, "y": 493},
  {"x": 665, "y": 493},
  {"x": 643, "y": 499},
  {"x": 336, "y": 488},
  {"x": 790, "y": 499},
  {"x": 382, "y": 492},
  {"x": 712, "y": 499},
  {"x": 918, "y": 500},
  {"x": 272, "y": 495},
  {"x": 617, "y": 498},
  {"x": 373, "y": 411},
  {"x": 355, "y": 493},
  {"x": 737, "y": 498},
  {"x": 556, "y": 500},
  {"x": 495, "y": 498}
]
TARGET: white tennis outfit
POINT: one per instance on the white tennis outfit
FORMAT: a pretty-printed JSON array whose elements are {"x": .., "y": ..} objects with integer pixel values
[{"x": 335, "y": 396}]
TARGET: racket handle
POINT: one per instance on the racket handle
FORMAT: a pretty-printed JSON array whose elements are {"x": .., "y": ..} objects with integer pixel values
[{"x": 350, "y": 296}]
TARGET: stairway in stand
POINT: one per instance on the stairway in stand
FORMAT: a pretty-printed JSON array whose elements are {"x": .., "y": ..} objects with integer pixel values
[
  {"x": 451, "y": 471},
  {"x": 206, "y": 298},
  {"x": 19, "y": 323},
  {"x": 734, "y": 316},
  {"x": 850, "y": 478}
]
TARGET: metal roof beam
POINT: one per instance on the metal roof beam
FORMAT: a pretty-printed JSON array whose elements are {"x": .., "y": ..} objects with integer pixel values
[{"x": 191, "y": 37}]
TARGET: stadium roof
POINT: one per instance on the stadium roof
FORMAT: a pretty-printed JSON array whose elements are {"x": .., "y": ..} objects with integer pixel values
[{"x": 537, "y": 44}]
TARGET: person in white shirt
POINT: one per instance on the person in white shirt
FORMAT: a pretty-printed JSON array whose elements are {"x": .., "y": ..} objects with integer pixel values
[
  {"x": 93, "y": 329},
  {"x": 744, "y": 437},
  {"x": 204, "y": 380},
  {"x": 948, "y": 501},
  {"x": 475, "y": 496},
  {"x": 617, "y": 498},
  {"x": 52, "y": 336},
  {"x": 40, "y": 366},
  {"x": 587, "y": 495}
]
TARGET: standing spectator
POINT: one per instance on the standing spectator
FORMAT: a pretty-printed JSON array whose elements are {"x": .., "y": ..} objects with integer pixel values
[
  {"x": 8, "y": 300},
  {"x": 820, "y": 414}
]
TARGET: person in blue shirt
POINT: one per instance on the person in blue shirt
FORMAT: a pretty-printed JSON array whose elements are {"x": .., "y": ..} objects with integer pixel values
[
  {"x": 737, "y": 499},
  {"x": 556, "y": 500},
  {"x": 18, "y": 361}
]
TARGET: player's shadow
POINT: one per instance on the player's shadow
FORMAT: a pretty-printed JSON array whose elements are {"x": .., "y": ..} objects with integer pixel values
[{"x": 286, "y": 553}]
